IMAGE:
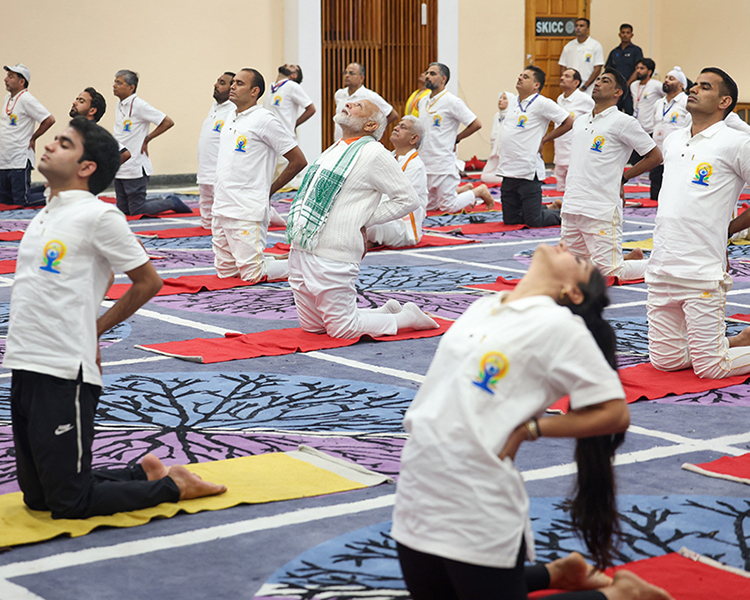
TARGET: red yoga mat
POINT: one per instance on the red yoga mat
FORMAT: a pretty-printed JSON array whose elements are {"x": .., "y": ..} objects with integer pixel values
[
  {"x": 275, "y": 342},
  {"x": 689, "y": 577},
  {"x": 185, "y": 232},
  {"x": 7, "y": 267},
  {"x": 501, "y": 284},
  {"x": 170, "y": 214},
  {"x": 11, "y": 236},
  {"x": 188, "y": 284},
  {"x": 477, "y": 228},
  {"x": 17, "y": 207},
  {"x": 427, "y": 241},
  {"x": 733, "y": 468},
  {"x": 474, "y": 209}
]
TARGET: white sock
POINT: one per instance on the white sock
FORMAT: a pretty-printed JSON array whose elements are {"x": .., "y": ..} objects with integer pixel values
[
  {"x": 277, "y": 269},
  {"x": 411, "y": 317}
]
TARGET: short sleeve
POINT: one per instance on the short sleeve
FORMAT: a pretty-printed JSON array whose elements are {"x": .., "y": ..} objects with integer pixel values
[
  {"x": 743, "y": 158},
  {"x": 35, "y": 109},
  {"x": 148, "y": 113},
  {"x": 301, "y": 98},
  {"x": 610, "y": 59},
  {"x": 384, "y": 107},
  {"x": 277, "y": 137},
  {"x": 553, "y": 111},
  {"x": 598, "y": 55},
  {"x": 636, "y": 137},
  {"x": 463, "y": 113},
  {"x": 114, "y": 240},
  {"x": 563, "y": 62}
]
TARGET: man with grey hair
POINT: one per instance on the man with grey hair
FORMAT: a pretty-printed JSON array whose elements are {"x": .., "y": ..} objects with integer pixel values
[
  {"x": 341, "y": 196},
  {"x": 133, "y": 119},
  {"x": 406, "y": 138},
  {"x": 354, "y": 89}
]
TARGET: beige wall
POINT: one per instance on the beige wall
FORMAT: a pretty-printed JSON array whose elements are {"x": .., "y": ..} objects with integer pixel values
[{"x": 179, "y": 48}]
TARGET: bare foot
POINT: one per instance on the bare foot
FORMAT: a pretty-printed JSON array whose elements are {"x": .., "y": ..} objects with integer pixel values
[
  {"x": 153, "y": 467},
  {"x": 556, "y": 203},
  {"x": 482, "y": 193},
  {"x": 636, "y": 254},
  {"x": 192, "y": 486},
  {"x": 628, "y": 586},
  {"x": 411, "y": 317},
  {"x": 574, "y": 573},
  {"x": 466, "y": 187},
  {"x": 741, "y": 339}
]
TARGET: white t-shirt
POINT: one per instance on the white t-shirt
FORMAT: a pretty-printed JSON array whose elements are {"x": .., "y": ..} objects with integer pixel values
[
  {"x": 133, "y": 119},
  {"x": 670, "y": 116},
  {"x": 733, "y": 120},
  {"x": 525, "y": 125},
  {"x": 442, "y": 117},
  {"x": 703, "y": 178},
  {"x": 248, "y": 150},
  {"x": 582, "y": 57},
  {"x": 498, "y": 366},
  {"x": 341, "y": 97},
  {"x": 208, "y": 142},
  {"x": 600, "y": 149},
  {"x": 413, "y": 167},
  {"x": 17, "y": 125},
  {"x": 285, "y": 99},
  {"x": 645, "y": 98},
  {"x": 64, "y": 262},
  {"x": 577, "y": 104}
]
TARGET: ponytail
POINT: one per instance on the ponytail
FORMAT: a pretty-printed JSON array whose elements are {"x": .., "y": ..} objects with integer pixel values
[{"x": 593, "y": 510}]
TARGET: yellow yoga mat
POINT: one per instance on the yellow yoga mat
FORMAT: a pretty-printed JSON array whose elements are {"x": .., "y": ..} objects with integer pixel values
[
  {"x": 250, "y": 480},
  {"x": 642, "y": 244}
]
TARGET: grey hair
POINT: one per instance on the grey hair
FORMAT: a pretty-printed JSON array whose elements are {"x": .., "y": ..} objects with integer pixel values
[
  {"x": 378, "y": 116},
  {"x": 417, "y": 128},
  {"x": 130, "y": 77}
]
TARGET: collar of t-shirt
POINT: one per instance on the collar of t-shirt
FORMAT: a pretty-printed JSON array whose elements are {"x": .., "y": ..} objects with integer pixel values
[
  {"x": 523, "y": 303},
  {"x": 128, "y": 100},
  {"x": 353, "y": 139},
  {"x": 711, "y": 131},
  {"x": 604, "y": 113},
  {"x": 67, "y": 197},
  {"x": 247, "y": 111}
]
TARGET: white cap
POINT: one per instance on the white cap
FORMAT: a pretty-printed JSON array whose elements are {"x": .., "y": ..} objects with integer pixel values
[
  {"x": 679, "y": 76},
  {"x": 22, "y": 70}
]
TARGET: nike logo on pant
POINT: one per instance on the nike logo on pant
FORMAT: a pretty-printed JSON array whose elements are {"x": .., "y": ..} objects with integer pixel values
[{"x": 63, "y": 429}]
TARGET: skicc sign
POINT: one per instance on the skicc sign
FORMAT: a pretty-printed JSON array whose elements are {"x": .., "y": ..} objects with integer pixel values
[{"x": 555, "y": 26}]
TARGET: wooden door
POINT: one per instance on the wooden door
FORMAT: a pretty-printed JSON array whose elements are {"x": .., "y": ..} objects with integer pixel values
[
  {"x": 548, "y": 29},
  {"x": 394, "y": 39}
]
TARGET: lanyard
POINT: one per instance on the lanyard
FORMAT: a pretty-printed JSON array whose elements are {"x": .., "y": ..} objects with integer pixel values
[
  {"x": 122, "y": 112},
  {"x": 274, "y": 88},
  {"x": 529, "y": 103},
  {"x": 641, "y": 89},
  {"x": 408, "y": 160},
  {"x": 411, "y": 215},
  {"x": 666, "y": 110},
  {"x": 431, "y": 104},
  {"x": 9, "y": 111}
]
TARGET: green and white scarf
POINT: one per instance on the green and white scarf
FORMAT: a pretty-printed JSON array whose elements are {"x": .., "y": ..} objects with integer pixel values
[{"x": 316, "y": 195}]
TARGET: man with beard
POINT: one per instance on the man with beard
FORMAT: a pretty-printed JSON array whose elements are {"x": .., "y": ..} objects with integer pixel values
[
  {"x": 670, "y": 114},
  {"x": 340, "y": 197},
  {"x": 286, "y": 98},
  {"x": 602, "y": 141},
  {"x": 92, "y": 105},
  {"x": 354, "y": 89},
  {"x": 442, "y": 114},
  {"x": 250, "y": 142},
  {"x": 646, "y": 93},
  {"x": 208, "y": 145}
]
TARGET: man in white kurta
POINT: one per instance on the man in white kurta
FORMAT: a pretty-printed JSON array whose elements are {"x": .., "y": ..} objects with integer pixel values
[
  {"x": 705, "y": 169},
  {"x": 341, "y": 196},
  {"x": 592, "y": 206},
  {"x": 251, "y": 140},
  {"x": 407, "y": 231},
  {"x": 584, "y": 54},
  {"x": 208, "y": 145},
  {"x": 354, "y": 89}
]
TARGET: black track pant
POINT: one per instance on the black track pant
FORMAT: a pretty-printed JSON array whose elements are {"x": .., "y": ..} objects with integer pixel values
[
  {"x": 430, "y": 577},
  {"x": 53, "y": 431},
  {"x": 522, "y": 204}
]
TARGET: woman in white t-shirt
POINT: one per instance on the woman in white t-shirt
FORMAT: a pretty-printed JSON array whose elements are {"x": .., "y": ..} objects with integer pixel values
[
  {"x": 461, "y": 518},
  {"x": 489, "y": 172}
]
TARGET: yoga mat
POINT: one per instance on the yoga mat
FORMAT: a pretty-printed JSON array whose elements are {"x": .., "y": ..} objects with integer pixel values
[
  {"x": 477, "y": 228},
  {"x": 185, "y": 232},
  {"x": 11, "y": 236},
  {"x": 640, "y": 203},
  {"x": 427, "y": 241},
  {"x": 474, "y": 209},
  {"x": 170, "y": 214},
  {"x": 18, "y": 207},
  {"x": 647, "y": 244},
  {"x": 250, "y": 480},
  {"x": 733, "y": 468},
  {"x": 188, "y": 284},
  {"x": 743, "y": 318},
  {"x": 275, "y": 342},
  {"x": 502, "y": 284},
  {"x": 7, "y": 267},
  {"x": 686, "y": 575}
]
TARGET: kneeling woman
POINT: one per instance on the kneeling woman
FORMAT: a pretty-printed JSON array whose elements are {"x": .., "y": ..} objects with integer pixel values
[{"x": 461, "y": 518}]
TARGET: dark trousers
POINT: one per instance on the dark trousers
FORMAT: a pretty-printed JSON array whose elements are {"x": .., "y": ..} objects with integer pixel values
[
  {"x": 656, "y": 175},
  {"x": 522, "y": 204},
  {"x": 53, "y": 431},
  {"x": 14, "y": 185},
  {"x": 131, "y": 198},
  {"x": 430, "y": 577}
]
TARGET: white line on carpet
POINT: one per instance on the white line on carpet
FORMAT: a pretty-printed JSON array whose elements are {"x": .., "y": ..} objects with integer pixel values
[
  {"x": 177, "y": 320},
  {"x": 360, "y": 365}
]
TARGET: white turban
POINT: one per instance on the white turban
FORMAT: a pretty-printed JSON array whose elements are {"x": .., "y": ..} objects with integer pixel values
[{"x": 679, "y": 76}]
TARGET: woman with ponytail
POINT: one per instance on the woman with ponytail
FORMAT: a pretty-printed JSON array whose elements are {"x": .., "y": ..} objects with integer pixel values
[{"x": 461, "y": 516}]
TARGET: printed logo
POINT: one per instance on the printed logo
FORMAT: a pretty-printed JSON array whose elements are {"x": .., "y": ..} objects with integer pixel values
[
  {"x": 54, "y": 251},
  {"x": 436, "y": 121},
  {"x": 572, "y": 114},
  {"x": 276, "y": 100},
  {"x": 13, "y": 119},
  {"x": 241, "y": 144},
  {"x": 492, "y": 369},
  {"x": 218, "y": 125},
  {"x": 588, "y": 58},
  {"x": 127, "y": 124},
  {"x": 706, "y": 295},
  {"x": 702, "y": 174},
  {"x": 598, "y": 143},
  {"x": 522, "y": 121},
  {"x": 63, "y": 429},
  {"x": 673, "y": 117}
]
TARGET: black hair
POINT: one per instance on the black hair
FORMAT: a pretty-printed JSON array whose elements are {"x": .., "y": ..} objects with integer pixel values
[
  {"x": 299, "y": 73},
  {"x": 98, "y": 102},
  {"x": 25, "y": 81},
  {"x": 620, "y": 81},
  {"x": 258, "y": 80},
  {"x": 728, "y": 86},
  {"x": 576, "y": 74},
  {"x": 648, "y": 63},
  {"x": 593, "y": 510},
  {"x": 230, "y": 74},
  {"x": 626, "y": 26},
  {"x": 101, "y": 148},
  {"x": 588, "y": 23},
  {"x": 444, "y": 70},
  {"x": 539, "y": 75}
]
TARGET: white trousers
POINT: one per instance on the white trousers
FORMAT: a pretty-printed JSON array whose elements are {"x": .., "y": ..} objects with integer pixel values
[
  {"x": 442, "y": 195},
  {"x": 686, "y": 328},
  {"x": 238, "y": 250},
  {"x": 561, "y": 173},
  {"x": 326, "y": 298},
  {"x": 397, "y": 233},
  {"x": 601, "y": 242},
  {"x": 205, "y": 204}
]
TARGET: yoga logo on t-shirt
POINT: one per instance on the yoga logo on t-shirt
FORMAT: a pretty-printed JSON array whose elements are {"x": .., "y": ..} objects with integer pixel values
[
  {"x": 13, "y": 119},
  {"x": 241, "y": 144},
  {"x": 588, "y": 58},
  {"x": 54, "y": 250},
  {"x": 673, "y": 117},
  {"x": 598, "y": 143},
  {"x": 218, "y": 125},
  {"x": 492, "y": 369},
  {"x": 276, "y": 100},
  {"x": 127, "y": 124},
  {"x": 436, "y": 120},
  {"x": 702, "y": 173},
  {"x": 522, "y": 121}
]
